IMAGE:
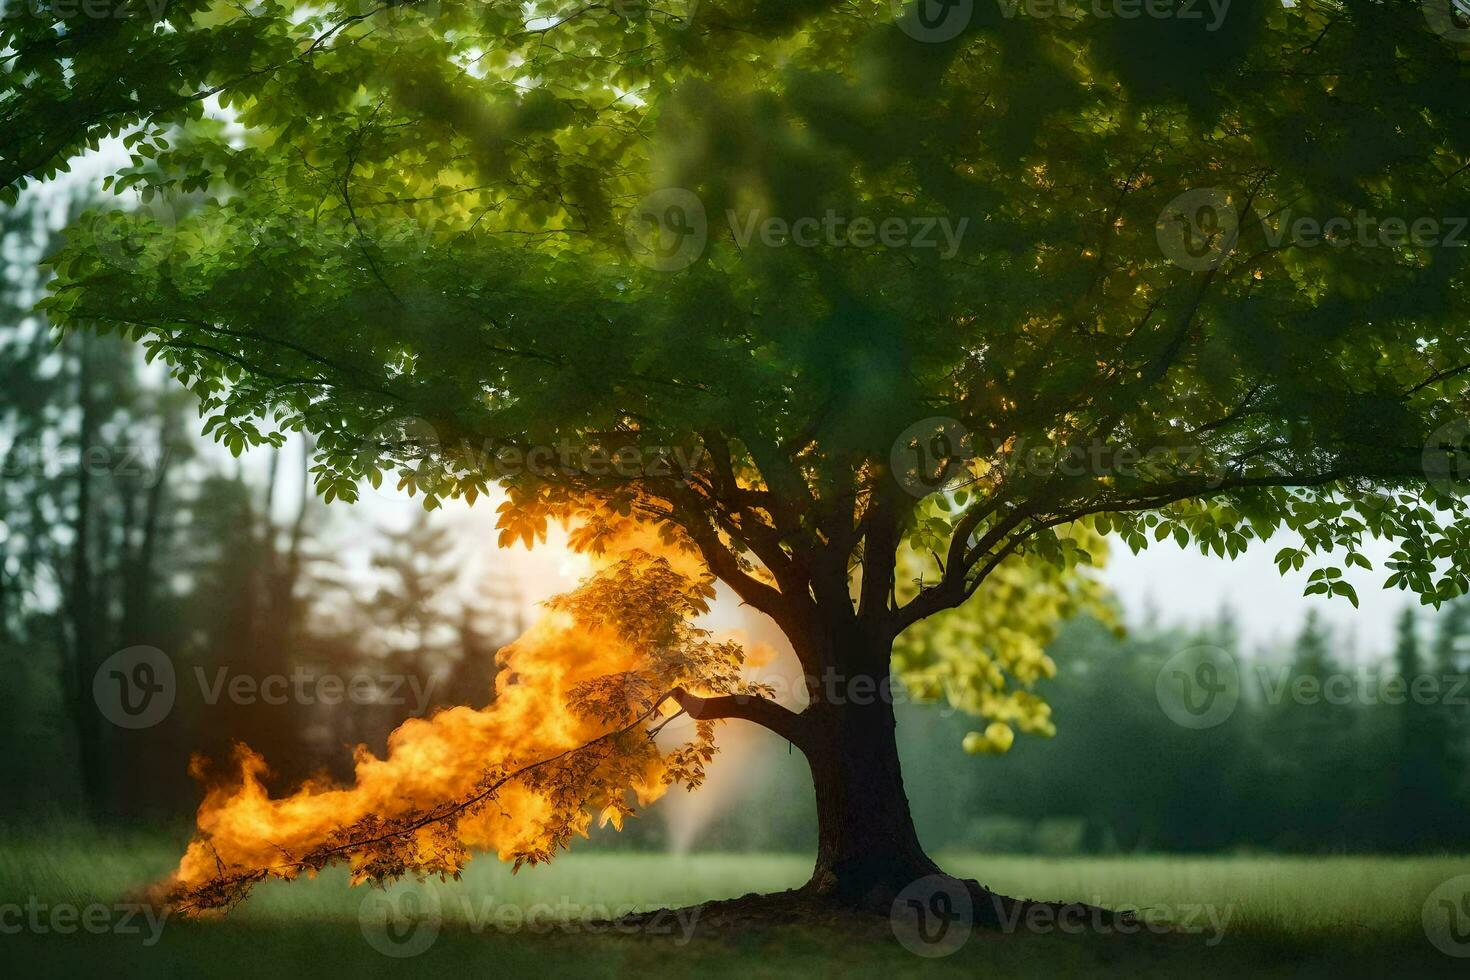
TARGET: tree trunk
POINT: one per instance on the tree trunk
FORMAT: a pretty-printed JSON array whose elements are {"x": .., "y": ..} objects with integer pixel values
[
  {"x": 868, "y": 852},
  {"x": 82, "y": 607},
  {"x": 867, "y": 848}
]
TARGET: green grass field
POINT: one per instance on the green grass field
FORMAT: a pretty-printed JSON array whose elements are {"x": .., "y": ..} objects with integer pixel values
[{"x": 1235, "y": 916}]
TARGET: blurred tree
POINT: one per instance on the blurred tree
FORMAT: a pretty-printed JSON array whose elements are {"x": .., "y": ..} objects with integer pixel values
[
  {"x": 88, "y": 506},
  {"x": 1423, "y": 785},
  {"x": 1450, "y": 664},
  {"x": 413, "y": 606}
]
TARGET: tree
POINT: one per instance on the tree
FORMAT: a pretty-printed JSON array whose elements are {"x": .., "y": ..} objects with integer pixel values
[
  {"x": 72, "y": 75},
  {"x": 1311, "y": 736},
  {"x": 413, "y": 603},
  {"x": 1424, "y": 785},
  {"x": 88, "y": 504},
  {"x": 1450, "y": 663},
  {"x": 774, "y": 279}
]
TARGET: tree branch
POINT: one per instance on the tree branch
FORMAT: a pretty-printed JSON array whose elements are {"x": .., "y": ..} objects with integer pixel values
[{"x": 747, "y": 707}]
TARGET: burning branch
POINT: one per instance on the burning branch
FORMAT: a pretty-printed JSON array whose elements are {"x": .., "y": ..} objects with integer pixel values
[
  {"x": 379, "y": 840},
  {"x": 229, "y": 889},
  {"x": 603, "y": 663}
]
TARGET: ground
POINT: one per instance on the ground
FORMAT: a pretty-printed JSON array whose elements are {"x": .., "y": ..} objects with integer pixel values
[{"x": 63, "y": 910}]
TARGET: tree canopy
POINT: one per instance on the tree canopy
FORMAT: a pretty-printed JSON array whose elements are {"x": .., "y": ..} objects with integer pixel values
[{"x": 530, "y": 229}]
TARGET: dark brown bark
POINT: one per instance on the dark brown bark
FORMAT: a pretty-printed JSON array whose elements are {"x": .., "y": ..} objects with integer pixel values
[{"x": 867, "y": 848}]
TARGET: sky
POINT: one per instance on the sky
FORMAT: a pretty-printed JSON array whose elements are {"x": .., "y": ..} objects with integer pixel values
[{"x": 1186, "y": 587}]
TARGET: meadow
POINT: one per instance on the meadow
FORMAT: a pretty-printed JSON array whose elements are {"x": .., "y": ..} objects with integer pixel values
[{"x": 64, "y": 910}]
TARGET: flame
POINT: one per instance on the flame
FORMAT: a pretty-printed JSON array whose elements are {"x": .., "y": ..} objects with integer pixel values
[{"x": 240, "y": 827}]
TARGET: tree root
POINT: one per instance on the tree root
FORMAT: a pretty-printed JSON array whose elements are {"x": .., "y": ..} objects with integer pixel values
[{"x": 806, "y": 906}]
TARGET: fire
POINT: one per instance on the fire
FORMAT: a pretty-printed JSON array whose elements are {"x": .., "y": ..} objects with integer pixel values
[{"x": 564, "y": 686}]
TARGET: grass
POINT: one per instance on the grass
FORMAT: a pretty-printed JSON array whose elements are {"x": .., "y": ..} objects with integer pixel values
[{"x": 1256, "y": 916}]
